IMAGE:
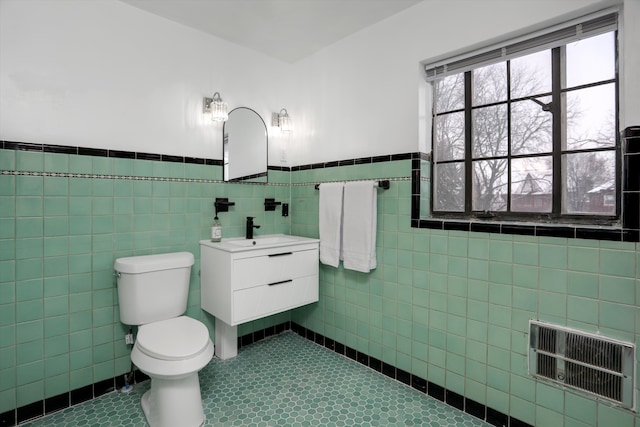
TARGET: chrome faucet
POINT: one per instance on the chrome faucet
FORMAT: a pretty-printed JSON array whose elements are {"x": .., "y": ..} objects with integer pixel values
[{"x": 250, "y": 227}]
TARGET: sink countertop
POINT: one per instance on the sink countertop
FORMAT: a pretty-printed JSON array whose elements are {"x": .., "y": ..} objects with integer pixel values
[{"x": 240, "y": 244}]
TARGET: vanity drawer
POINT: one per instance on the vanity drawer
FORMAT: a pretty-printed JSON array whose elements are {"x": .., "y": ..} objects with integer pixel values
[
  {"x": 274, "y": 267},
  {"x": 265, "y": 300}
]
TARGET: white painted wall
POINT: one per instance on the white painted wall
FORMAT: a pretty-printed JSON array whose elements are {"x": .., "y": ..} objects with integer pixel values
[
  {"x": 365, "y": 95},
  {"x": 630, "y": 65},
  {"x": 103, "y": 74}
]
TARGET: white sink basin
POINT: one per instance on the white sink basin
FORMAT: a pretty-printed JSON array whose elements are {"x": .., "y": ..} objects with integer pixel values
[
  {"x": 263, "y": 241},
  {"x": 238, "y": 244}
]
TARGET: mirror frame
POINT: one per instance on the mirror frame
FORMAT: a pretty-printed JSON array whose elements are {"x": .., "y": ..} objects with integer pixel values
[{"x": 266, "y": 148}]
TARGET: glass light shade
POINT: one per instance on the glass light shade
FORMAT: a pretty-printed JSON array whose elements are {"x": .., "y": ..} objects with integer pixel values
[
  {"x": 219, "y": 111},
  {"x": 285, "y": 121}
]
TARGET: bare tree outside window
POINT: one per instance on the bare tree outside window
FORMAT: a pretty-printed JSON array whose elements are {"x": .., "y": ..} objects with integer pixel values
[{"x": 511, "y": 138}]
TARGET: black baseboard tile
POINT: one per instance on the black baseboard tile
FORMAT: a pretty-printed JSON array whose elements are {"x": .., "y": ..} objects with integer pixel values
[
  {"x": 258, "y": 335},
  {"x": 403, "y": 376},
  {"x": 56, "y": 403},
  {"x": 298, "y": 329},
  {"x": 375, "y": 364},
  {"x": 419, "y": 384},
  {"x": 81, "y": 394},
  {"x": 103, "y": 387},
  {"x": 475, "y": 409},
  {"x": 310, "y": 335},
  {"x": 362, "y": 358},
  {"x": 497, "y": 418},
  {"x": 436, "y": 391},
  {"x": 389, "y": 370},
  {"x": 454, "y": 399},
  {"x": 8, "y": 418},
  {"x": 351, "y": 353},
  {"x": 329, "y": 343},
  {"x": 270, "y": 331},
  {"x": 30, "y": 411},
  {"x": 245, "y": 340}
]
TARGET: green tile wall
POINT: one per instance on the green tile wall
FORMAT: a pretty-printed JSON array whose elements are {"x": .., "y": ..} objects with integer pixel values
[
  {"x": 59, "y": 237},
  {"x": 453, "y": 307}
]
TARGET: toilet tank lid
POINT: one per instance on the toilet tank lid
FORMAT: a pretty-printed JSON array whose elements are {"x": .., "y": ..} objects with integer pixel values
[{"x": 157, "y": 262}]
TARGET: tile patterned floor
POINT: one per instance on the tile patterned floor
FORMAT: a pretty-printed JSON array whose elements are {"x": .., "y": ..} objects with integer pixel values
[{"x": 283, "y": 380}]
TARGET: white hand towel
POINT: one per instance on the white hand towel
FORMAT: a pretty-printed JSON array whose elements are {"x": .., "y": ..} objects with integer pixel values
[
  {"x": 359, "y": 225},
  {"x": 330, "y": 222}
]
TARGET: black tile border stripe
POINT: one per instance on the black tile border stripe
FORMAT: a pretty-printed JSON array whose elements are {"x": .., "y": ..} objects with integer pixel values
[
  {"x": 356, "y": 161},
  {"x": 102, "y": 152},
  {"x": 436, "y": 391},
  {"x": 571, "y": 232},
  {"x": 96, "y": 152},
  {"x": 279, "y": 168}
]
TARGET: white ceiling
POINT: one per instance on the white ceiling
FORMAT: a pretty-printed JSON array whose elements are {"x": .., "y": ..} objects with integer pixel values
[{"x": 288, "y": 30}]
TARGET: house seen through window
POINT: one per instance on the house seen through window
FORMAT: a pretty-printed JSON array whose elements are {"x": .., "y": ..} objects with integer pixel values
[{"x": 532, "y": 136}]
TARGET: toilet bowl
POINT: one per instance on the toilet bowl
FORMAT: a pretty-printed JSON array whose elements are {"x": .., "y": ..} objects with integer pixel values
[
  {"x": 171, "y": 352},
  {"x": 170, "y": 348}
]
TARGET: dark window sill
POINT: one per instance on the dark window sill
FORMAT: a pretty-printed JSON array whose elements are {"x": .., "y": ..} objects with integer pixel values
[{"x": 616, "y": 234}]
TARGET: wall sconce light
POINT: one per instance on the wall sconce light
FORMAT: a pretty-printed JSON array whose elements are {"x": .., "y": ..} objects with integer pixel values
[
  {"x": 282, "y": 120},
  {"x": 217, "y": 107}
]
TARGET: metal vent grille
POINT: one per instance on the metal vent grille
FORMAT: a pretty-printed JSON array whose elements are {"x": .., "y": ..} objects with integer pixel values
[{"x": 595, "y": 364}]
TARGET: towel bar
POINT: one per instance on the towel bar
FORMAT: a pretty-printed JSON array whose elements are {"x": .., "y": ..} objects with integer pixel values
[{"x": 384, "y": 184}]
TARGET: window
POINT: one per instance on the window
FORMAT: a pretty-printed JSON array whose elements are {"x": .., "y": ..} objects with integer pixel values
[{"x": 530, "y": 134}]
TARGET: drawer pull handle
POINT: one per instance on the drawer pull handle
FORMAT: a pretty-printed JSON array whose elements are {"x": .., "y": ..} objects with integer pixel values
[
  {"x": 281, "y": 254},
  {"x": 279, "y": 283}
]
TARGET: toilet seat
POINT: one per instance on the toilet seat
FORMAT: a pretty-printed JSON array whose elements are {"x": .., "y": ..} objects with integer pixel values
[{"x": 179, "y": 338}]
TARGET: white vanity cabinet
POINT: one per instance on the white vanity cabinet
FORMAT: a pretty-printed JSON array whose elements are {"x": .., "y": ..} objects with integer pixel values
[{"x": 241, "y": 281}]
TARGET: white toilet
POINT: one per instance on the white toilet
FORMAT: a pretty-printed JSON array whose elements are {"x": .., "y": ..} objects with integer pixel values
[{"x": 169, "y": 348}]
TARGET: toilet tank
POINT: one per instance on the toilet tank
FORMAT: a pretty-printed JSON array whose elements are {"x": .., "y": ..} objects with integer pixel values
[{"x": 153, "y": 287}]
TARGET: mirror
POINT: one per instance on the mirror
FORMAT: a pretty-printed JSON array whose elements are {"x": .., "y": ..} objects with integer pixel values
[{"x": 244, "y": 145}]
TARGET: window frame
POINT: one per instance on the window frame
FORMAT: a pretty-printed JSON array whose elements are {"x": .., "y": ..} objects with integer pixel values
[{"x": 557, "y": 93}]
